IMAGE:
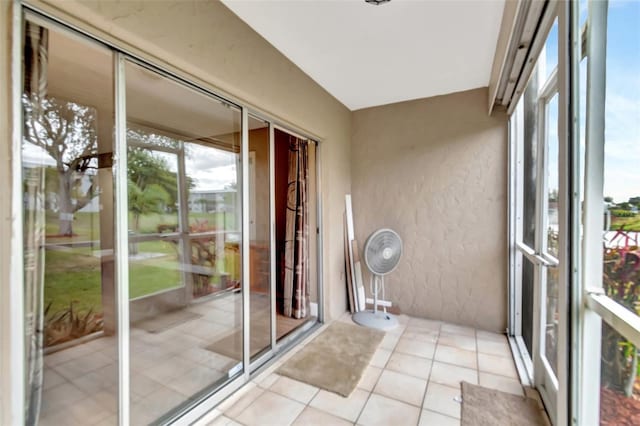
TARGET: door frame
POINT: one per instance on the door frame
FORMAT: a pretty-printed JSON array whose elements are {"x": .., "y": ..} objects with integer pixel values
[
  {"x": 533, "y": 366},
  {"x": 278, "y": 346},
  {"x": 545, "y": 381}
]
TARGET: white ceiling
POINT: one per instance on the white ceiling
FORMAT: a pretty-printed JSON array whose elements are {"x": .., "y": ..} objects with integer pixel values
[{"x": 367, "y": 55}]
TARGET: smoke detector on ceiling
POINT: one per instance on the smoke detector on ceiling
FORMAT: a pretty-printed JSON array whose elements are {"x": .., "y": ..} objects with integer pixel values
[{"x": 377, "y": 2}]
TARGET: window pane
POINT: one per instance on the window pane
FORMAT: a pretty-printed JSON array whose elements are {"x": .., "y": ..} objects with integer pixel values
[
  {"x": 72, "y": 365},
  {"x": 184, "y": 242},
  {"x": 548, "y": 61},
  {"x": 621, "y": 278},
  {"x": 527, "y": 303},
  {"x": 260, "y": 235},
  {"x": 620, "y": 386},
  {"x": 552, "y": 318},
  {"x": 530, "y": 155},
  {"x": 583, "y": 12},
  {"x": 553, "y": 182}
]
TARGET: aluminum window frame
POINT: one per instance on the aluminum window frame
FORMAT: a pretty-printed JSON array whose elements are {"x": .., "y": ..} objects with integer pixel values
[{"x": 13, "y": 330}]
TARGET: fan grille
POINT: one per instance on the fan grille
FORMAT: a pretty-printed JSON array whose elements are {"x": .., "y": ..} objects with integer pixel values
[{"x": 382, "y": 251}]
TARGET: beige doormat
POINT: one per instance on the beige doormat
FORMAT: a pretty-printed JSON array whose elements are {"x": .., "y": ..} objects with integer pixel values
[
  {"x": 335, "y": 359},
  {"x": 166, "y": 320},
  {"x": 489, "y": 407}
]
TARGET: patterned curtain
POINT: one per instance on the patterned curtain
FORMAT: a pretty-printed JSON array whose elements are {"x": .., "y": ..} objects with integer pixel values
[
  {"x": 296, "y": 246},
  {"x": 35, "y": 90}
]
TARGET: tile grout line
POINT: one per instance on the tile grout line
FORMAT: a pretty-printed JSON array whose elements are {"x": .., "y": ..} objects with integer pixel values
[
  {"x": 378, "y": 379},
  {"x": 424, "y": 397},
  {"x": 363, "y": 407}
]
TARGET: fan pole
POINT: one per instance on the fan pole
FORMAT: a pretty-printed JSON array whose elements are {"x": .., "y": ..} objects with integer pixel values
[{"x": 375, "y": 293}]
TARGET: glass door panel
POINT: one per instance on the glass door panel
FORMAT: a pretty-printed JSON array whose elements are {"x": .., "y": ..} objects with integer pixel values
[
  {"x": 527, "y": 195},
  {"x": 551, "y": 320},
  {"x": 550, "y": 306},
  {"x": 69, "y": 286},
  {"x": 292, "y": 220},
  {"x": 260, "y": 223},
  {"x": 528, "y": 295},
  {"x": 154, "y": 249},
  {"x": 552, "y": 180},
  {"x": 185, "y": 230},
  {"x": 538, "y": 212}
]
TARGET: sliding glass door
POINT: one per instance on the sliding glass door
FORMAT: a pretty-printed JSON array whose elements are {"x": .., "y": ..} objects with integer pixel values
[
  {"x": 184, "y": 226},
  {"x": 260, "y": 235},
  {"x": 71, "y": 334},
  {"x": 539, "y": 204},
  {"x": 150, "y": 260}
]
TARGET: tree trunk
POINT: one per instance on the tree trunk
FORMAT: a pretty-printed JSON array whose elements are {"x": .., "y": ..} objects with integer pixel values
[
  {"x": 66, "y": 207},
  {"x": 136, "y": 222}
]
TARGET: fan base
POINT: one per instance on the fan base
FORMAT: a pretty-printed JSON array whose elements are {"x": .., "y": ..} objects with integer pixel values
[{"x": 379, "y": 320}]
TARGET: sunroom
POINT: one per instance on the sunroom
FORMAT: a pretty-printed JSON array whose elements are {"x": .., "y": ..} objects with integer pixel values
[{"x": 188, "y": 186}]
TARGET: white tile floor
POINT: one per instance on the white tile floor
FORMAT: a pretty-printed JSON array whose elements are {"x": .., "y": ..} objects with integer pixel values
[{"x": 413, "y": 379}]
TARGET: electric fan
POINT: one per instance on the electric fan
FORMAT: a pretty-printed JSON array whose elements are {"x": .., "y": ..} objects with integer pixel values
[{"x": 382, "y": 253}]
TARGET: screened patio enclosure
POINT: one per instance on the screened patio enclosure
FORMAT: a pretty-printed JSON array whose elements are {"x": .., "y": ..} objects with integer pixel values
[{"x": 154, "y": 155}]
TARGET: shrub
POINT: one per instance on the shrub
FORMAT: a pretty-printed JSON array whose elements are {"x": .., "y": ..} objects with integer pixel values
[
  {"x": 69, "y": 324},
  {"x": 621, "y": 280}
]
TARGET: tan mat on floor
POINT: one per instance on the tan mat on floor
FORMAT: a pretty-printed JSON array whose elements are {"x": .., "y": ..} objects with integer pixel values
[
  {"x": 488, "y": 407},
  {"x": 165, "y": 321},
  {"x": 335, "y": 359}
]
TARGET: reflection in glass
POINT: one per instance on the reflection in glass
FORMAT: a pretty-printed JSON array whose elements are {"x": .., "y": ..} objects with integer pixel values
[
  {"x": 152, "y": 190},
  {"x": 259, "y": 235},
  {"x": 71, "y": 373},
  {"x": 184, "y": 244}
]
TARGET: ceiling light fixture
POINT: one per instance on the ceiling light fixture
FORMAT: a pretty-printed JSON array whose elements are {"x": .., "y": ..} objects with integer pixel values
[{"x": 377, "y": 2}]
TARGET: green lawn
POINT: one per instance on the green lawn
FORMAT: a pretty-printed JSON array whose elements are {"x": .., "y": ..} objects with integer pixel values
[
  {"x": 629, "y": 223},
  {"x": 149, "y": 223},
  {"x": 152, "y": 275},
  {"x": 73, "y": 275},
  {"x": 86, "y": 226}
]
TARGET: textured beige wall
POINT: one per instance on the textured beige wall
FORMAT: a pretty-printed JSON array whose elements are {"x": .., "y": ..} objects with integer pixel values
[
  {"x": 207, "y": 43},
  {"x": 434, "y": 170}
]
